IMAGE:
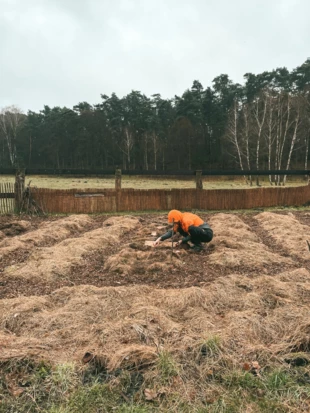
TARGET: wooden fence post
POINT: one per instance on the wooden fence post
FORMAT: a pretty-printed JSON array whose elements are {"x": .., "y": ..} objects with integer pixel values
[
  {"x": 199, "y": 179},
  {"x": 118, "y": 188},
  {"x": 19, "y": 188}
]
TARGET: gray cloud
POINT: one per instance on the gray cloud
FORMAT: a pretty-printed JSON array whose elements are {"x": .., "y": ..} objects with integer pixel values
[{"x": 61, "y": 52}]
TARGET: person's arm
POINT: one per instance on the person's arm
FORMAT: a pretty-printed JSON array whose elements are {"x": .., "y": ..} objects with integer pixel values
[
  {"x": 185, "y": 239},
  {"x": 167, "y": 235}
]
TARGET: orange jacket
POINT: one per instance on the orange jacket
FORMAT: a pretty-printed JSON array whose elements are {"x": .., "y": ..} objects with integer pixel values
[{"x": 185, "y": 220}]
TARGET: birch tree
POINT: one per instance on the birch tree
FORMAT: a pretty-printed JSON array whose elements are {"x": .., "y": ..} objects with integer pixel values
[
  {"x": 294, "y": 137},
  {"x": 259, "y": 112},
  {"x": 11, "y": 119},
  {"x": 246, "y": 120},
  {"x": 232, "y": 131},
  {"x": 270, "y": 129}
]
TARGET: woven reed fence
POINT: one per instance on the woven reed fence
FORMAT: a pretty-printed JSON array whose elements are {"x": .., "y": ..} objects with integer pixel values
[
  {"x": 7, "y": 198},
  {"x": 111, "y": 200}
]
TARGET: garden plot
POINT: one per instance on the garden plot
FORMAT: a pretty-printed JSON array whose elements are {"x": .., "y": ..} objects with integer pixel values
[
  {"x": 48, "y": 263},
  {"x": 129, "y": 325},
  {"x": 235, "y": 244},
  {"x": 99, "y": 311},
  {"x": 47, "y": 233},
  {"x": 287, "y": 232}
]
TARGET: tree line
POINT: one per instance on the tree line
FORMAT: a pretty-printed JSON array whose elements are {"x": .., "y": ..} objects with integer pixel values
[{"x": 262, "y": 124}]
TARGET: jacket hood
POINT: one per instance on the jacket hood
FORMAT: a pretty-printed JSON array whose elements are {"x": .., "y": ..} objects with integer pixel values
[{"x": 174, "y": 216}]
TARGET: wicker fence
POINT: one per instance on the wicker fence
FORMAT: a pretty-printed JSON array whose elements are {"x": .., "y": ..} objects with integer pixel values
[
  {"x": 7, "y": 198},
  {"x": 111, "y": 200}
]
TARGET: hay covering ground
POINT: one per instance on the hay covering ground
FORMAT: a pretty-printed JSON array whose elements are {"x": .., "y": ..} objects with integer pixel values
[
  {"x": 261, "y": 312},
  {"x": 258, "y": 310},
  {"x": 50, "y": 232},
  {"x": 56, "y": 261},
  {"x": 237, "y": 245},
  {"x": 124, "y": 326},
  {"x": 288, "y": 233},
  {"x": 234, "y": 245}
]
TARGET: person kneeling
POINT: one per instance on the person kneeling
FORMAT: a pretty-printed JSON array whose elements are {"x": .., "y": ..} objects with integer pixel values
[{"x": 190, "y": 226}]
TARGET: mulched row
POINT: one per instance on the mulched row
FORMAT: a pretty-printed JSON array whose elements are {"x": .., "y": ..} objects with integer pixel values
[{"x": 195, "y": 272}]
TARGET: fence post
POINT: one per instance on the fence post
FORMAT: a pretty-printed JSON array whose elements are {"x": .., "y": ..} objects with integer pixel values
[
  {"x": 19, "y": 188},
  {"x": 199, "y": 179},
  {"x": 118, "y": 188}
]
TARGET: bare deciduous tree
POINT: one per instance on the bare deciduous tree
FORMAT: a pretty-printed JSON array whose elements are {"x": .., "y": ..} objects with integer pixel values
[
  {"x": 259, "y": 113},
  {"x": 11, "y": 119},
  {"x": 246, "y": 118},
  {"x": 279, "y": 118},
  {"x": 294, "y": 137},
  {"x": 232, "y": 132},
  {"x": 271, "y": 125}
]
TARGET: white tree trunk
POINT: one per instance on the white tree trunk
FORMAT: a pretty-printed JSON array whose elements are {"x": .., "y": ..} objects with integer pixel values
[
  {"x": 155, "y": 149},
  {"x": 232, "y": 132},
  {"x": 146, "y": 163},
  {"x": 247, "y": 138},
  {"x": 260, "y": 120},
  {"x": 270, "y": 138},
  {"x": 307, "y": 152},
  {"x": 294, "y": 138},
  {"x": 10, "y": 120}
]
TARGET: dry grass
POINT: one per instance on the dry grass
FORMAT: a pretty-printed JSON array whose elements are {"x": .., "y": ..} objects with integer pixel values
[
  {"x": 288, "y": 233},
  {"x": 191, "y": 345},
  {"x": 177, "y": 350},
  {"x": 265, "y": 315},
  {"x": 50, "y": 232},
  {"x": 237, "y": 245},
  {"x": 140, "y": 182},
  {"x": 48, "y": 263}
]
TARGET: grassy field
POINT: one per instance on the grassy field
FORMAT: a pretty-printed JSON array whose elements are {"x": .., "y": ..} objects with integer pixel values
[{"x": 62, "y": 182}]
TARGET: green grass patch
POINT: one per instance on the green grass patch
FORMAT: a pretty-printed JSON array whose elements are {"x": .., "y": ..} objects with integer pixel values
[
  {"x": 30, "y": 387},
  {"x": 167, "y": 367}
]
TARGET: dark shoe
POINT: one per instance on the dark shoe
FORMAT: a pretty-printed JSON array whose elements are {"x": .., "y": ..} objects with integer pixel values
[
  {"x": 197, "y": 248},
  {"x": 185, "y": 245}
]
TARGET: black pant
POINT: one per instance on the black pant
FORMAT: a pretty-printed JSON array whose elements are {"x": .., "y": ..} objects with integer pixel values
[{"x": 199, "y": 234}]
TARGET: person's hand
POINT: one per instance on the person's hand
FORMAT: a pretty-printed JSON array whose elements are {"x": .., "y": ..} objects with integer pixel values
[
  {"x": 178, "y": 243},
  {"x": 157, "y": 242}
]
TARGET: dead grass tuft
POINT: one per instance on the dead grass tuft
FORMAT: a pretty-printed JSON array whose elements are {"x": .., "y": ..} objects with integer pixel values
[
  {"x": 133, "y": 356},
  {"x": 15, "y": 227}
]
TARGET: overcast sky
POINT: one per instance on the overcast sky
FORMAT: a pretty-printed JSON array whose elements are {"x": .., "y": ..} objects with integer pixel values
[{"x": 61, "y": 52}]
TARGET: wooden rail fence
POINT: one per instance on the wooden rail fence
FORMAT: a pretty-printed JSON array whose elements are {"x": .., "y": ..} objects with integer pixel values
[{"x": 13, "y": 196}]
